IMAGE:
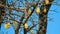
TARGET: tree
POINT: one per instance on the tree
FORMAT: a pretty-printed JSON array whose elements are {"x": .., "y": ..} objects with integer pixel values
[
  {"x": 2, "y": 11},
  {"x": 41, "y": 8},
  {"x": 43, "y": 16}
]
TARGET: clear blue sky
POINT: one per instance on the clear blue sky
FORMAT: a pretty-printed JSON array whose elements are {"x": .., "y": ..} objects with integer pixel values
[{"x": 53, "y": 26}]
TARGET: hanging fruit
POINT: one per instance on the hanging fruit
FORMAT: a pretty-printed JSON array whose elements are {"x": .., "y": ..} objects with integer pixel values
[
  {"x": 45, "y": 10},
  {"x": 7, "y": 25},
  {"x": 25, "y": 25},
  {"x": 47, "y": 1},
  {"x": 29, "y": 11},
  {"x": 15, "y": 24},
  {"x": 37, "y": 10}
]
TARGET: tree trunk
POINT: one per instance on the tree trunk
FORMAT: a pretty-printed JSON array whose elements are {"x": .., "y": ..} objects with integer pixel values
[
  {"x": 43, "y": 19},
  {"x": 2, "y": 13},
  {"x": 43, "y": 24}
]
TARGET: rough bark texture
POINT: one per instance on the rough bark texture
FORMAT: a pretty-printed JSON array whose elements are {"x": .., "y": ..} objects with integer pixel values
[
  {"x": 2, "y": 13},
  {"x": 43, "y": 20},
  {"x": 43, "y": 24}
]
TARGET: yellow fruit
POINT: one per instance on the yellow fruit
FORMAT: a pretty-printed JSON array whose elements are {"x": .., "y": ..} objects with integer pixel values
[
  {"x": 31, "y": 31},
  {"x": 26, "y": 25},
  {"x": 5, "y": 26},
  {"x": 38, "y": 10},
  {"x": 45, "y": 10},
  {"x": 47, "y": 1},
  {"x": 8, "y": 25},
  {"x": 29, "y": 11},
  {"x": 14, "y": 22}
]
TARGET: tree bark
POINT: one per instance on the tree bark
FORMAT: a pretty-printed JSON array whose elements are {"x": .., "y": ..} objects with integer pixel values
[
  {"x": 2, "y": 12},
  {"x": 43, "y": 19},
  {"x": 43, "y": 24}
]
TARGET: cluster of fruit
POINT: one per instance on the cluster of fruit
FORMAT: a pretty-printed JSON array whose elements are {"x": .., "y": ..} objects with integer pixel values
[{"x": 7, "y": 25}]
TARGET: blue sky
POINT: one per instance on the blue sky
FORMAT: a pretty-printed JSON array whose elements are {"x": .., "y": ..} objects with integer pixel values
[{"x": 53, "y": 26}]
